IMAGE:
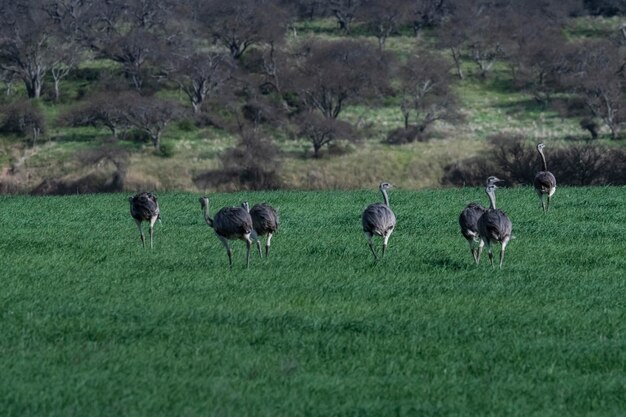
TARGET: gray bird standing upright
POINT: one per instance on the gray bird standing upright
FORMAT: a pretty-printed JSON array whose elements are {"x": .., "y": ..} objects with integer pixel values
[
  {"x": 468, "y": 220},
  {"x": 145, "y": 207},
  {"x": 265, "y": 223},
  {"x": 378, "y": 219},
  {"x": 545, "y": 182},
  {"x": 230, "y": 223},
  {"x": 494, "y": 226}
]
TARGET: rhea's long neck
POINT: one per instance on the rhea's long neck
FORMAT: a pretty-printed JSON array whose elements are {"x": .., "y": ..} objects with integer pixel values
[
  {"x": 385, "y": 196},
  {"x": 492, "y": 199},
  {"x": 207, "y": 218},
  {"x": 543, "y": 159}
]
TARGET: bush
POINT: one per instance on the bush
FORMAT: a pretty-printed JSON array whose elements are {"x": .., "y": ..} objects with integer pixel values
[
  {"x": 136, "y": 136},
  {"x": 252, "y": 164},
  {"x": 590, "y": 125},
  {"x": 186, "y": 125},
  {"x": 167, "y": 150},
  {"x": 23, "y": 118},
  {"x": 517, "y": 162},
  {"x": 401, "y": 136},
  {"x": 470, "y": 172}
]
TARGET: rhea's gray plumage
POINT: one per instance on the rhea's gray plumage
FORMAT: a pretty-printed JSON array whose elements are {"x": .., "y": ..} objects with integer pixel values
[
  {"x": 265, "y": 223},
  {"x": 545, "y": 182},
  {"x": 494, "y": 226},
  {"x": 378, "y": 219},
  {"x": 145, "y": 207},
  {"x": 468, "y": 220},
  {"x": 230, "y": 223}
]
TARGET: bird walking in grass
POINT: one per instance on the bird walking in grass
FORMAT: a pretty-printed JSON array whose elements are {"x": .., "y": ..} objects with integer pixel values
[
  {"x": 264, "y": 222},
  {"x": 468, "y": 220},
  {"x": 145, "y": 207},
  {"x": 494, "y": 226},
  {"x": 378, "y": 219},
  {"x": 545, "y": 182},
  {"x": 230, "y": 223}
]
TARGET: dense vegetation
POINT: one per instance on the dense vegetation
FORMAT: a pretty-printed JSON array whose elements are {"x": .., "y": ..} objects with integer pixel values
[
  {"x": 212, "y": 94},
  {"x": 92, "y": 324}
]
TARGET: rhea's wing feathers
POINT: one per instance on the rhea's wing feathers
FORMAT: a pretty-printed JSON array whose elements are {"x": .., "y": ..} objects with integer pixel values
[
  {"x": 378, "y": 219},
  {"x": 468, "y": 220},
  {"x": 232, "y": 221},
  {"x": 495, "y": 225},
  {"x": 144, "y": 206},
  {"x": 264, "y": 218},
  {"x": 544, "y": 181}
]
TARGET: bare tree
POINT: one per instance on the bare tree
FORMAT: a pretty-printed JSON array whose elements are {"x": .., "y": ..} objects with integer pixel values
[
  {"x": 151, "y": 115},
  {"x": 132, "y": 33},
  {"x": 344, "y": 11},
  {"x": 429, "y": 13},
  {"x": 383, "y": 17},
  {"x": 66, "y": 56},
  {"x": 321, "y": 131},
  {"x": 200, "y": 74},
  {"x": 474, "y": 29},
  {"x": 24, "y": 43},
  {"x": 102, "y": 109},
  {"x": 425, "y": 91},
  {"x": 237, "y": 25},
  {"x": 329, "y": 74},
  {"x": 8, "y": 78},
  {"x": 596, "y": 75},
  {"x": 23, "y": 118}
]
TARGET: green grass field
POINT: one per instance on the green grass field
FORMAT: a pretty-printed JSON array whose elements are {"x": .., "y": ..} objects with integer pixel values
[{"x": 91, "y": 324}]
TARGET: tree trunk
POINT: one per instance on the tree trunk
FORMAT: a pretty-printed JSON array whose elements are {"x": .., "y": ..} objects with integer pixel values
[
  {"x": 316, "y": 150},
  {"x": 57, "y": 93},
  {"x": 456, "y": 56},
  {"x": 33, "y": 86},
  {"x": 156, "y": 139}
]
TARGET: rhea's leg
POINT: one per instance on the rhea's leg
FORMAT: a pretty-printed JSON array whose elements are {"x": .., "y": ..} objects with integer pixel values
[
  {"x": 368, "y": 235},
  {"x": 143, "y": 239},
  {"x": 385, "y": 240},
  {"x": 490, "y": 253},
  {"x": 228, "y": 251},
  {"x": 543, "y": 203},
  {"x": 248, "y": 245},
  {"x": 548, "y": 203},
  {"x": 152, "y": 222},
  {"x": 479, "y": 251},
  {"x": 504, "y": 243},
  {"x": 267, "y": 245},
  {"x": 473, "y": 249}
]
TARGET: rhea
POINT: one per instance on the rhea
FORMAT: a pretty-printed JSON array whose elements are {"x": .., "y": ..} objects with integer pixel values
[
  {"x": 468, "y": 220},
  {"x": 264, "y": 222},
  {"x": 145, "y": 207},
  {"x": 230, "y": 223},
  {"x": 494, "y": 226},
  {"x": 545, "y": 183},
  {"x": 378, "y": 219}
]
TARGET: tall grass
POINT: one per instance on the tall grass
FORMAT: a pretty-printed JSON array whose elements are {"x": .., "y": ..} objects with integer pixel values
[{"x": 92, "y": 324}]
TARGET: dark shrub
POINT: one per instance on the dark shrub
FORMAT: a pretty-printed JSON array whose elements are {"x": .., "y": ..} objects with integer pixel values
[
  {"x": 23, "y": 118},
  {"x": 517, "y": 161},
  {"x": 252, "y": 164},
  {"x": 470, "y": 172},
  {"x": 401, "y": 136},
  {"x": 167, "y": 150},
  {"x": 512, "y": 160},
  {"x": 589, "y": 165},
  {"x": 591, "y": 126}
]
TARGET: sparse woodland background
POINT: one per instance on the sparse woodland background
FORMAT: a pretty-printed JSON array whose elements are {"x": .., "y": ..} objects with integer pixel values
[{"x": 222, "y": 95}]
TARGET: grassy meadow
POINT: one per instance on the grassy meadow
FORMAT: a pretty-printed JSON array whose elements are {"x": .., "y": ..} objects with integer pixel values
[{"x": 94, "y": 325}]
